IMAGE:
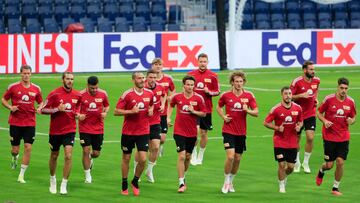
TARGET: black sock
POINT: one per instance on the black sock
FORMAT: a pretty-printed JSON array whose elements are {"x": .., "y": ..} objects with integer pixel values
[
  {"x": 135, "y": 182},
  {"x": 320, "y": 174},
  {"x": 124, "y": 184},
  {"x": 335, "y": 189}
]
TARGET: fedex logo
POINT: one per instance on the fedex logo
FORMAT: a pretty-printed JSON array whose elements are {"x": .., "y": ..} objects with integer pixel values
[
  {"x": 287, "y": 54},
  {"x": 44, "y": 53},
  {"x": 130, "y": 57}
]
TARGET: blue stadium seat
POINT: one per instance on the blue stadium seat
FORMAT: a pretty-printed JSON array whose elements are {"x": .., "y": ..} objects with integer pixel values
[
  {"x": 263, "y": 25},
  {"x": 77, "y": 12},
  {"x": 355, "y": 15},
  {"x": 340, "y": 7},
  {"x": 309, "y": 16},
  {"x": 2, "y": 26},
  {"x": 61, "y": 2},
  {"x": 158, "y": 10},
  {"x": 310, "y": 24},
  {"x": 127, "y": 11},
  {"x": 93, "y": 12},
  {"x": 174, "y": 27},
  {"x": 139, "y": 24},
  {"x": 355, "y": 24},
  {"x": 247, "y": 22},
  {"x": 111, "y": 11},
  {"x": 61, "y": 11},
  {"x": 50, "y": 25},
  {"x": 45, "y": 2},
  {"x": 29, "y": 11},
  {"x": 14, "y": 26},
  {"x": 121, "y": 25},
  {"x": 12, "y": 12},
  {"x": 292, "y": 6},
  {"x": 325, "y": 24},
  {"x": 340, "y": 24},
  {"x": 261, "y": 17},
  {"x": 104, "y": 25},
  {"x": 126, "y": 2},
  {"x": 45, "y": 11},
  {"x": 277, "y": 7},
  {"x": 88, "y": 24},
  {"x": 157, "y": 27},
  {"x": 81, "y": 3},
  {"x": 175, "y": 14},
  {"x": 323, "y": 7},
  {"x": 157, "y": 19},
  {"x": 111, "y": 1},
  {"x": 33, "y": 26},
  {"x": 293, "y": 16},
  {"x": 277, "y": 17},
  {"x": 340, "y": 15},
  {"x": 354, "y": 5},
  {"x": 261, "y": 7},
  {"x": 66, "y": 22},
  {"x": 294, "y": 24},
  {"x": 247, "y": 8},
  {"x": 278, "y": 25},
  {"x": 324, "y": 16},
  {"x": 158, "y": 2},
  {"x": 308, "y": 6},
  {"x": 139, "y": 2},
  {"x": 97, "y": 3},
  {"x": 143, "y": 10},
  {"x": 12, "y": 2},
  {"x": 29, "y": 2}
]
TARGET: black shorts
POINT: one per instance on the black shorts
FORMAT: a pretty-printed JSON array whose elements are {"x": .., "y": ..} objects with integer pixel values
[
  {"x": 55, "y": 141},
  {"x": 184, "y": 143},
  {"x": 285, "y": 154},
  {"x": 19, "y": 132},
  {"x": 309, "y": 124},
  {"x": 128, "y": 143},
  {"x": 163, "y": 123},
  {"x": 205, "y": 122},
  {"x": 155, "y": 131},
  {"x": 232, "y": 141},
  {"x": 95, "y": 140},
  {"x": 333, "y": 150}
]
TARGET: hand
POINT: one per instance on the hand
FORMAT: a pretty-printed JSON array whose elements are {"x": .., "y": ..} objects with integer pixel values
[
  {"x": 191, "y": 109},
  {"x": 316, "y": 102},
  {"x": 162, "y": 108},
  {"x": 305, "y": 95},
  {"x": 169, "y": 122},
  {"x": 227, "y": 118},
  {"x": 350, "y": 120},
  {"x": 297, "y": 128},
  {"x": 38, "y": 110},
  {"x": 81, "y": 117},
  {"x": 245, "y": 107},
  {"x": 61, "y": 107},
  {"x": 135, "y": 109},
  {"x": 103, "y": 115},
  {"x": 206, "y": 89},
  {"x": 328, "y": 124},
  {"x": 14, "y": 108},
  {"x": 151, "y": 112},
  {"x": 281, "y": 128}
]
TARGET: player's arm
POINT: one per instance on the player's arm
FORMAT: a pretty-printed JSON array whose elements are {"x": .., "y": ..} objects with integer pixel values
[
  {"x": 40, "y": 106},
  {"x": 48, "y": 106},
  {"x": 197, "y": 113},
  {"x": 322, "y": 118},
  {"x": 215, "y": 90},
  {"x": 169, "y": 113},
  {"x": 123, "y": 112},
  {"x": 221, "y": 113},
  {"x": 273, "y": 126},
  {"x": 7, "y": 105},
  {"x": 162, "y": 103},
  {"x": 253, "y": 112}
]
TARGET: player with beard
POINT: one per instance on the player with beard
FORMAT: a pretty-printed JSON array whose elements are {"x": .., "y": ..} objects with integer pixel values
[
  {"x": 136, "y": 105},
  {"x": 167, "y": 82},
  {"x": 94, "y": 108},
  {"x": 189, "y": 106},
  {"x": 22, "y": 120},
  {"x": 305, "y": 90},
  {"x": 63, "y": 104},
  {"x": 238, "y": 103},
  {"x": 207, "y": 85},
  {"x": 287, "y": 117},
  {"x": 336, "y": 112}
]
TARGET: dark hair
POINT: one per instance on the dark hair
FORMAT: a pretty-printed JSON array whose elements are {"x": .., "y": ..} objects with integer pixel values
[
  {"x": 343, "y": 81},
  {"x": 187, "y": 77},
  {"x": 306, "y": 64},
  {"x": 66, "y": 73},
  {"x": 150, "y": 71},
  {"x": 203, "y": 55},
  {"x": 284, "y": 88},
  {"x": 25, "y": 67},
  {"x": 237, "y": 74},
  {"x": 92, "y": 80}
]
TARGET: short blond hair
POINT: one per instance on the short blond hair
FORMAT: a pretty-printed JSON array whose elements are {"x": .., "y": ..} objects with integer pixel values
[
  {"x": 157, "y": 61},
  {"x": 237, "y": 74}
]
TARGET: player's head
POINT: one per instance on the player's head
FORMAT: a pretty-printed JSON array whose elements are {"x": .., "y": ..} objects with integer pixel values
[
  {"x": 151, "y": 78},
  {"x": 25, "y": 71},
  {"x": 203, "y": 61},
  {"x": 157, "y": 65},
  {"x": 237, "y": 79},
  {"x": 188, "y": 83},
  {"x": 92, "y": 83},
  {"x": 343, "y": 86},
  {"x": 139, "y": 79},
  {"x": 286, "y": 94},
  {"x": 68, "y": 80},
  {"x": 308, "y": 69}
]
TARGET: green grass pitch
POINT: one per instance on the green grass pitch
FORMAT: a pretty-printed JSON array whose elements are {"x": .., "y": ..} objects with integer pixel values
[{"x": 256, "y": 180}]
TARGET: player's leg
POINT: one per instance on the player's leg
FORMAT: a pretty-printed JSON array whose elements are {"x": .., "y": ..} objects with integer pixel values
[
  {"x": 55, "y": 143},
  {"x": 205, "y": 126},
  {"x": 96, "y": 145},
  {"x": 164, "y": 129},
  {"x": 68, "y": 143},
  {"x": 342, "y": 151},
  {"x": 142, "y": 145},
  {"x": 15, "y": 138},
  {"x": 154, "y": 145},
  {"x": 329, "y": 157},
  {"x": 310, "y": 134},
  {"x": 127, "y": 144},
  {"x": 29, "y": 137},
  {"x": 85, "y": 141},
  {"x": 180, "y": 148},
  {"x": 279, "y": 154}
]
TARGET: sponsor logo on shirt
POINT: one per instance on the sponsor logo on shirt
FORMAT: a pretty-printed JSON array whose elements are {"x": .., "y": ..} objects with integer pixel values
[
  {"x": 67, "y": 106},
  {"x": 25, "y": 98},
  {"x": 288, "y": 120},
  {"x": 200, "y": 85},
  {"x": 310, "y": 92},
  {"x": 141, "y": 105},
  {"x": 237, "y": 107},
  {"x": 340, "y": 113}
]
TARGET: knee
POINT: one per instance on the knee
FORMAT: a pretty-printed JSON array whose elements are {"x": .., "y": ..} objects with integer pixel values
[
  {"x": 230, "y": 158},
  {"x": 182, "y": 157},
  {"x": 27, "y": 147},
  {"x": 339, "y": 162},
  {"x": 54, "y": 156},
  {"x": 95, "y": 154},
  {"x": 67, "y": 156},
  {"x": 290, "y": 168},
  {"x": 329, "y": 165}
]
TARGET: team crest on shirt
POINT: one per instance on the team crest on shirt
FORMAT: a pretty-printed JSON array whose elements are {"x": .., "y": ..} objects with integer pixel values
[
  {"x": 200, "y": 85},
  {"x": 74, "y": 101},
  {"x": 165, "y": 84},
  {"x": 346, "y": 107},
  {"x": 98, "y": 100},
  {"x": 313, "y": 86},
  {"x": 207, "y": 80},
  {"x": 294, "y": 113},
  {"x": 193, "y": 103},
  {"x": 33, "y": 94},
  {"x": 244, "y": 100},
  {"x": 146, "y": 99},
  {"x": 159, "y": 93}
]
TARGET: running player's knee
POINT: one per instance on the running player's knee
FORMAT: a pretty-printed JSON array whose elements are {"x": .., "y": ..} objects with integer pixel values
[
  {"x": 95, "y": 154},
  {"x": 339, "y": 162},
  {"x": 329, "y": 165}
]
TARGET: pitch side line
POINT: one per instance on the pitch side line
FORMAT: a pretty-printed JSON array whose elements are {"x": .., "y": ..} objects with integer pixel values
[{"x": 210, "y": 138}]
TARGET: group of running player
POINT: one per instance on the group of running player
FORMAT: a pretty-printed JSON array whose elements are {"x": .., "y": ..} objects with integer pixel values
[{"x": 147, "y": 109}]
